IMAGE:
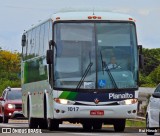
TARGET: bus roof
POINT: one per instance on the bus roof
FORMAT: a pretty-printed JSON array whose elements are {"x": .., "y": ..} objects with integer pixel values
[
  {"x": 86, "y": 15},
  {"x": 91, "y": 15}
]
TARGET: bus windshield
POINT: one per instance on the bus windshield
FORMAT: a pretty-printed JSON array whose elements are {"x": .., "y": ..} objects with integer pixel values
[{"x": 100, "y": 55}]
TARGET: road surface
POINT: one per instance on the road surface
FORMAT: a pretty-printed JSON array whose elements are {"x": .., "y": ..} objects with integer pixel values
[{"x": 68, "y": 129}]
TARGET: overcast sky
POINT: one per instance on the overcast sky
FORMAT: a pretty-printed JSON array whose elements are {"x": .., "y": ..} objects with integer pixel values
[{"x": 18, "y": 15}]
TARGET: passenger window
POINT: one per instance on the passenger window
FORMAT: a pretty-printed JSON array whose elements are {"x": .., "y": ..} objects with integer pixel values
[
  {"x": 41, "y": 44},
  {"x": 37, "y": 41},
  {"x": 29, "y": 46},
  {"x": 32, "y": 44},
  {"x": 46, "y": 36}
]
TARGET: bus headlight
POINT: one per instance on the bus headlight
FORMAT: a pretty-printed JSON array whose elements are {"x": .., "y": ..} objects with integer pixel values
[
  {"x": 128, "y": 101},
  {"x": 63, "y": 101}
]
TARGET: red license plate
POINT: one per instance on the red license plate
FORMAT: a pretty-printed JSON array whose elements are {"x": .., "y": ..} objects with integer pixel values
[{"x": 97, "y": 112}]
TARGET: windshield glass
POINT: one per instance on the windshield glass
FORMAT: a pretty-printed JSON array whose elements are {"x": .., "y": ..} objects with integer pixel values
[
  {"x": 14, "y": 95},
  {"x": 95, "y": 55}
]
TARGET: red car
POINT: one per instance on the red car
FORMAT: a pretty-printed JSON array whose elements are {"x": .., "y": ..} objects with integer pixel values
[{"x": 10, "y": 104}]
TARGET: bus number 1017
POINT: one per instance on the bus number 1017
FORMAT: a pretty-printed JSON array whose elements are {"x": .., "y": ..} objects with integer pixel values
[{"x": 73, "y": 108}]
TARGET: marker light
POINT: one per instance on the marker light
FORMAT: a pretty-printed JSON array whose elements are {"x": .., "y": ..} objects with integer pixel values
[
  {"x": 94, "y": 17},
  {"x": 57, "y": 18},
  {"x": 99, "y": 17},
  {"x": 89, "y": 17},
  {"x": 131, "y": 19}
]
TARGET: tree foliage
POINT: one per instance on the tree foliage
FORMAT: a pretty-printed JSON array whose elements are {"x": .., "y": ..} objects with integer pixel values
[
  {"x": 152, "y": 60},
  {"x": 150, "y": 75},
  {"x": 9, "y": 69}
]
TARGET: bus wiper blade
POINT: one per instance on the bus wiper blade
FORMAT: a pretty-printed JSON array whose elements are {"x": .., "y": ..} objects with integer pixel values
[
  {"x": 103, "y": 63},
  {"x": 84, "y": 75},
  {"x": 108, "y": 71},
  {"x": 111, "y": 77}
]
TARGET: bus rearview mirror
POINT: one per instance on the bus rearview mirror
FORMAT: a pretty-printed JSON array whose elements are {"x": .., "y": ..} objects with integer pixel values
[
  {"x": 49, "y": 57},
  {"x": 141, "y": 61},
  {"x": 23, "y": 40}
]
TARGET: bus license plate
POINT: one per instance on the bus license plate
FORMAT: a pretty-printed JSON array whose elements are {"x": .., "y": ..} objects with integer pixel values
[{"x": 97, "y": 112}]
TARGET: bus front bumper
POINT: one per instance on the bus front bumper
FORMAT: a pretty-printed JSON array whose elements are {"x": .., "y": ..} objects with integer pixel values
[{"x": 76, "y": 111}]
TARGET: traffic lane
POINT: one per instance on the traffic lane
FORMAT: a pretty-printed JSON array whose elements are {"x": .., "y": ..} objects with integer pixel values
[
  {"x": 78, "y": 132},
  {"x": 75, "y": 129}
]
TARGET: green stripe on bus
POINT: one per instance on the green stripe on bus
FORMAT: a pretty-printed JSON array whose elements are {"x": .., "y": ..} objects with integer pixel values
[
  {"x": 64, "y": 95},
  {"x": 72, "y": 96}
]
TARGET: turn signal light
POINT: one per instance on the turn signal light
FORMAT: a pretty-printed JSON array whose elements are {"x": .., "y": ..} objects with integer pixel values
[
  {"x": 131, "y": 19},
  {"x": 94, "y": 17}
]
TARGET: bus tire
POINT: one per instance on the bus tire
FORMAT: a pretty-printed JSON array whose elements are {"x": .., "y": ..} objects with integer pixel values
[
  {"x": 43, "y": 124},
  {"x": 53, "y": 124},
  {"x": 32, "y": 122},
  {"x": 97, "y": 125},
  {"x": 87, "y": 126},
  {"x": 119, "y": 125}
]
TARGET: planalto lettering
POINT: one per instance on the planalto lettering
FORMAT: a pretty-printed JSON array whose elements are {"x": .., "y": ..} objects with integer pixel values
[{"x": 120, "y": 96}]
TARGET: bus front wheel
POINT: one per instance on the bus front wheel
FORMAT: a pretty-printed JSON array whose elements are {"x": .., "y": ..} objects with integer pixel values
[
  {"x": 53, "y": 124},
  {"x": 97, "y": 125},
  {"x": 119, "y": 125},
  {"x": 87, "y": 126}
]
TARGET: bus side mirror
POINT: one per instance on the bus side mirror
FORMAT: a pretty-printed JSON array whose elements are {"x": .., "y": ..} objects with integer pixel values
[
  {"x": 141, "y": 61},
  {"x": 23, "y": 40},
  {"x": 49, "y": 57},
  {"x": 141, "y": 57}
]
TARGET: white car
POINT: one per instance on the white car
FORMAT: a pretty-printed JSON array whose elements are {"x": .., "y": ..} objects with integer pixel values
[{"x": 153, "y": 112}]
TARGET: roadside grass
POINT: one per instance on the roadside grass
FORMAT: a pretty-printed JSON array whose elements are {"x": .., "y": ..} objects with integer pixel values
[{"x": 135, "y": 123}]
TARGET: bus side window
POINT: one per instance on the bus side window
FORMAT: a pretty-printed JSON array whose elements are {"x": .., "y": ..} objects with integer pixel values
[
  {"x": 37, "y": 41},
  {"x": 46, "y": 37},
  {"x": 32, "y": 44},
  {"x": 41, "y": 44},
  {"x": 29, "y": 46}
]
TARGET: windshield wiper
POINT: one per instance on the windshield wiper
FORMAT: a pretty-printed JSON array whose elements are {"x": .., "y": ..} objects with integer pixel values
[
  {"x": 108, "y": 71},
  {"x": 84, "y": 75},
  {"x": 103, "y": 63}
]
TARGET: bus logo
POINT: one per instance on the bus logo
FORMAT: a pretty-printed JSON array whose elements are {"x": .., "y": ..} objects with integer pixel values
[{"x": 96, "y": 101}]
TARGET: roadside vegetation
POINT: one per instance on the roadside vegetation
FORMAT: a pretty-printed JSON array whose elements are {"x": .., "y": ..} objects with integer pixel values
[
  {"x": 135, "y": 123},
  {"x": 10, "y": 69},
  {"x": 150, "y": 75}
]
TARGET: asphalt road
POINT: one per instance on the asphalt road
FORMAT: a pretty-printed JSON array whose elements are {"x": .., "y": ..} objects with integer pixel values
[{"x": 67, "y": 129}]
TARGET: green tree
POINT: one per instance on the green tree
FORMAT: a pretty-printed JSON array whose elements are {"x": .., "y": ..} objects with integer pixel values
[
  {"x": 152, "y": 60},
  {"x": 155, "y": 75},
  {"x": 9, "y": 69}
]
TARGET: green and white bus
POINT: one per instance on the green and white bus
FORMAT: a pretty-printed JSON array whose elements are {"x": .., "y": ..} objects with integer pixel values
[{"x": 66, "y": 74}]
